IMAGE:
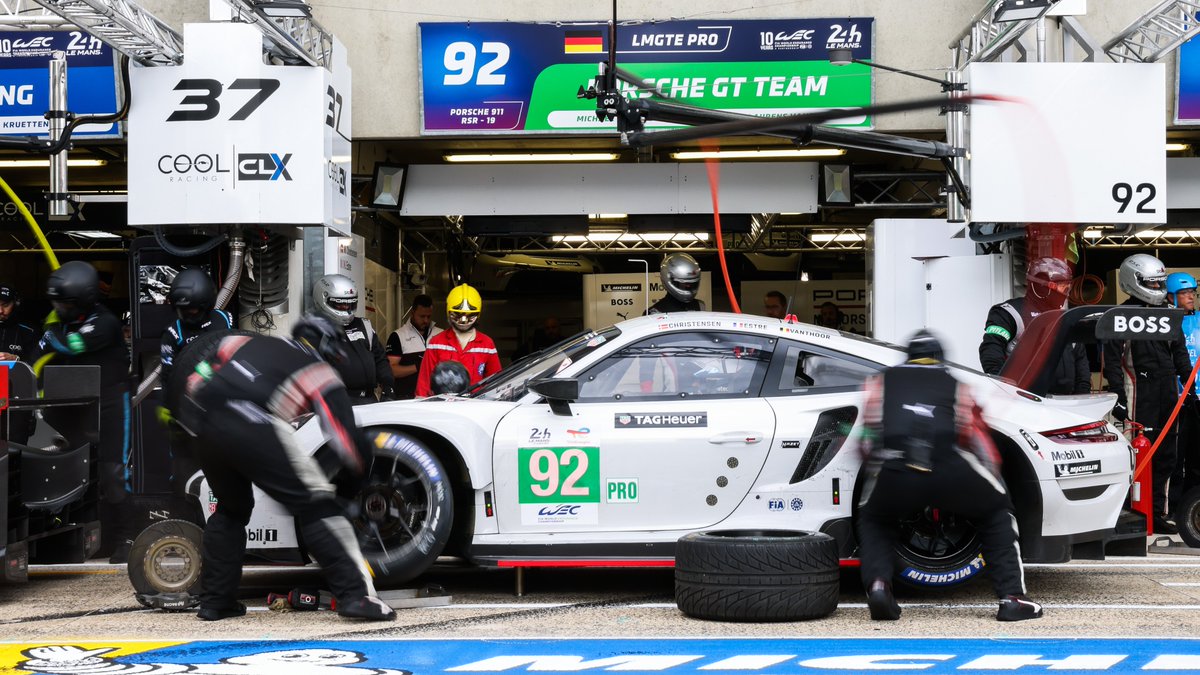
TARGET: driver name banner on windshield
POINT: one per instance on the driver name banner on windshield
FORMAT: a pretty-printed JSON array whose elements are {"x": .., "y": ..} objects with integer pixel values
[{"x": 503, "y": 77}]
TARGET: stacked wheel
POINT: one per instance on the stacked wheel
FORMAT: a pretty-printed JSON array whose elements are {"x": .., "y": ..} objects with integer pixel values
[{"x": 756, "y": 575}]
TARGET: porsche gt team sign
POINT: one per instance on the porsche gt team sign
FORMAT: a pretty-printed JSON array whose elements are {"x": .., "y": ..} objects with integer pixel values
[{"x": 511, "y": 77}]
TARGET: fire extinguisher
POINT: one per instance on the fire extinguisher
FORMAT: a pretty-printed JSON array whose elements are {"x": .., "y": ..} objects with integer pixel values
[{"x": 1142, "y": 494}]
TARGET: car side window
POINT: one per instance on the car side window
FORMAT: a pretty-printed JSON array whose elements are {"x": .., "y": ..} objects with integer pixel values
[
  {"x": 801, "y": 370},
  {"x": 680, "y": 365}
]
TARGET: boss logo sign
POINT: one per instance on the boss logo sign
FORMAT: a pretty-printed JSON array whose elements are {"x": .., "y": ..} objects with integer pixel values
[{"x": 1140, "y": 323}]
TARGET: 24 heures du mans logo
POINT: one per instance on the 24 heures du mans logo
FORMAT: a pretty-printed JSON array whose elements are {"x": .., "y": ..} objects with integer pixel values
[{"x": 217, "y": 166}]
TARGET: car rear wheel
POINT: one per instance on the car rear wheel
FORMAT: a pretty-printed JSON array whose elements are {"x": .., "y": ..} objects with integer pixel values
[
  {"x": 406, "y": 511},
  {"x": 756, "y": 575},
  {"x": 938, "y": 550},
  {"x": 1189, "y": 518}
]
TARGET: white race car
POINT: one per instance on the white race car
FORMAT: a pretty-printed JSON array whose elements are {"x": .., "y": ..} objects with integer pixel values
[{"x": 608, "y": 447}]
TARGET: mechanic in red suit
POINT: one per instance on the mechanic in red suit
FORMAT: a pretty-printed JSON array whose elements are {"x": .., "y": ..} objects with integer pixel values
[{"x": 464, "y": 343}]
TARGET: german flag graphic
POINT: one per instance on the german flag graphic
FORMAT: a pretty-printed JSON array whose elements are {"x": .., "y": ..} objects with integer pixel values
[{"x": 583, "y": 42}]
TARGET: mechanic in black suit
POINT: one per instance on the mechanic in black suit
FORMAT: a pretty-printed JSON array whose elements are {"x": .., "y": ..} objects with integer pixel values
[{"x": 926, "y": 445}]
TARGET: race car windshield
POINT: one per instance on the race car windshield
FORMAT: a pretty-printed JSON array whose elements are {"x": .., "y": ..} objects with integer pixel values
[{"x": 509, "y": 383}]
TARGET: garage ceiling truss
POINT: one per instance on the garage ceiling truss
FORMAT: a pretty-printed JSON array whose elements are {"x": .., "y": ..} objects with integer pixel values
[
  {"x": 1155, "y": 33},
  {"x": 986, "y": 39},
  {"x": 124, "y": 26}
]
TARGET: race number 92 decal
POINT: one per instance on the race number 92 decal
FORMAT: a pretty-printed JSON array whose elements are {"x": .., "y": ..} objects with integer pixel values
[{"x": 559, "y": 475}]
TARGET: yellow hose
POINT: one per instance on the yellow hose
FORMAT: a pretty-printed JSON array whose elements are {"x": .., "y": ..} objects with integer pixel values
[
  {"x": 50, "y": 257},
  {"x": 37, "y": 230}
]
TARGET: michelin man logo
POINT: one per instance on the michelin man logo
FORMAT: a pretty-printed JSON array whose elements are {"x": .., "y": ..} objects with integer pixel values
[{"x": 64, "y": 659}]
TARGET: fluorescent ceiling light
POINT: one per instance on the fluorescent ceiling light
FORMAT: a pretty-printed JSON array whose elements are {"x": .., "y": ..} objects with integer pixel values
[
  {"x": 92, "y": 234},
  {"x": 34, "y": 163},
  {"x": 608, "y": 237},
  {"x": 1168, "y": 234},
  {"x": 1178, "y": 147},
  {"x": 825, "y": 237},
  {"x": 607, "y": 216},
  {"x": 536, "y": 157},
  {"x": 759, "y": 154}
]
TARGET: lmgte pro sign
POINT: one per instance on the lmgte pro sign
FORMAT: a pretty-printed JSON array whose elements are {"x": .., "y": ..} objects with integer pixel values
[{"x": 225, "y": 138}]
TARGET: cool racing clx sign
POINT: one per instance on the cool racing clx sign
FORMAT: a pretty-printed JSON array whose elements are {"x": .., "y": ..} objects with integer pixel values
[{"x": 227, "y": 138}]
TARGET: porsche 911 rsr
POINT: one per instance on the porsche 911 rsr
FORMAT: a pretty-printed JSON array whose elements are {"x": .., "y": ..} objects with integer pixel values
[{"x": 611, "y": 445}]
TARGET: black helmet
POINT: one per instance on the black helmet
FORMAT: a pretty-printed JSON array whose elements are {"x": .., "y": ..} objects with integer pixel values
[
  {"x": 925, "y": 348},
  {"x": 450, "y": 377},
  {"x": 321, "y": 337},
  {"x": 193, "y": 295},
  {"x": 73, "y": 290}
]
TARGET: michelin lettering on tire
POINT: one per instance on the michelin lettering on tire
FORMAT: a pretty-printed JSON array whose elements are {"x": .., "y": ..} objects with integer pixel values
[
  {"x": 950, "y": 578},
  {"x": 413, "y": 557}
]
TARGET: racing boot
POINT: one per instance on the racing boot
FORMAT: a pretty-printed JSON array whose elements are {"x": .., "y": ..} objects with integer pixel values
[
  {"x": 882, "y": 603},
  {"x": 367, "y": 607},
  {"x": 1018, "y": 608},
  {"x": 218, "y": 613},
  {"x": 1164, "y": 525}
]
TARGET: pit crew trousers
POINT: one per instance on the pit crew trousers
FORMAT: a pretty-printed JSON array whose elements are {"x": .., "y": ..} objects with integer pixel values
[
  {"x": 1187, "y": 467},
  {"x": 1154, "y": 399},
  {"x": 238, "y": 448},
  {"x": 958, "y": 483}
]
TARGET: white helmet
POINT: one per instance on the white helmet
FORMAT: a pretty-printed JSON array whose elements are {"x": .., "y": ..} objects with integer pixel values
[
  {"x": 680, "y": 275},
  {"x": 1144, "y": 277},
  {"x": 335, "y": 296}
]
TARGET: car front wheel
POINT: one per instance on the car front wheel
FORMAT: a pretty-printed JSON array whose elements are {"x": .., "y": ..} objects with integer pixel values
[{"x": 406, "y": 511}]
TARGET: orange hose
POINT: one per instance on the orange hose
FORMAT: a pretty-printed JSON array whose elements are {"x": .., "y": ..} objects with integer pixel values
[
  {"x": 714, "y": 182},
  {"x": 1187, "y": 388}
]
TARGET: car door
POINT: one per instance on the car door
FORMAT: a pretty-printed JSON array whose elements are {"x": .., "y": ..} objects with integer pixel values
[
  {"x": 817, "y": 397},
  {"x": 668, "y": 433}
]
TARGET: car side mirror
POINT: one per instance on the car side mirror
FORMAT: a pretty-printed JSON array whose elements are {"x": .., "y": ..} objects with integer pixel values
[{"x": 558, "y": 392}]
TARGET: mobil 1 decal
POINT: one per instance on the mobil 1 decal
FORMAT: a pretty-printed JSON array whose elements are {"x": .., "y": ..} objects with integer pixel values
[
  {"x": 482, "y": 77},
  {"x": 559, "y": 486}
]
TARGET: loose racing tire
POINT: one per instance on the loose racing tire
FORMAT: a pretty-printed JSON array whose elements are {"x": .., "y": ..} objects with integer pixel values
[
  {"x": 1189, "y": 518},
  {"x": 756, "y": 575},
  {"x": 200, "y": 349},
  {"x": 406, "y": 511},
  {"x": 938, "y": 550},
  {"x": 166, "y": 558}
]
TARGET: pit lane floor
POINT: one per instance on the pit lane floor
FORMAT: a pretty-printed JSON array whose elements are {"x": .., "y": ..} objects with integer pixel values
[{"x": 1153, "y": 596}]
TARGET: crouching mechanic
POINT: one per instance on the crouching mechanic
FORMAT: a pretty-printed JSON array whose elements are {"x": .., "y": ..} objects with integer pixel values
[
  {"x": 926, "y": 445},
  {"x": 239, "y": 405},
  {"x": 464, "y": 343},
  {"x": 366, "y": 365}
]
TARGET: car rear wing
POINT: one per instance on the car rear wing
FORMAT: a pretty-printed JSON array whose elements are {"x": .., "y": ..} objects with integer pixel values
[{"x": 1032, "y": 363}]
